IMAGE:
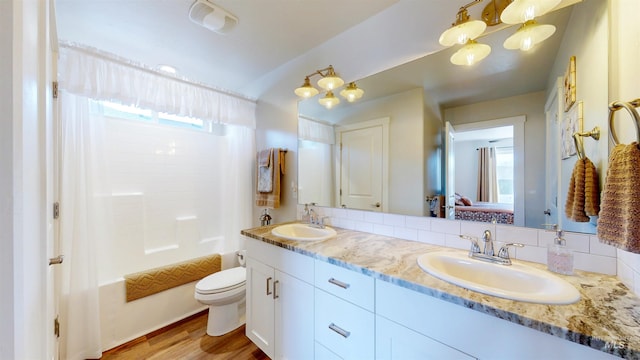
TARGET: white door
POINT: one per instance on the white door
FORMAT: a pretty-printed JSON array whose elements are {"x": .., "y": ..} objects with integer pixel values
[
  {"x": 260, "y": 308},
  {"x": 363, "y": 166},
  {"x": 51, "y": 142},
  {"x": 553, "y": 113},
  {"x": 293, "y": 317},
  {"x": 450, "y": 171}
]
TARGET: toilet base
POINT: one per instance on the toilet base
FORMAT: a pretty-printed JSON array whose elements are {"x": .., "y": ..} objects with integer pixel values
[{"x": 226, "y": 318}]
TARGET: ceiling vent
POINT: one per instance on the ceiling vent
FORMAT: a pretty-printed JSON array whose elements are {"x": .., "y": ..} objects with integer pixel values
[{"x": 212, "y": 17}]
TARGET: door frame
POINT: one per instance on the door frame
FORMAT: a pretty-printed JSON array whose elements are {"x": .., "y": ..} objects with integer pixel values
[
  {"x": 384, "y": 123},
  {"x": 517, "y": 122}
]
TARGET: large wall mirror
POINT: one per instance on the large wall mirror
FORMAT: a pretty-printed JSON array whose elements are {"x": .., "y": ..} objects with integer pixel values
[{"x": 511, "y": 103}]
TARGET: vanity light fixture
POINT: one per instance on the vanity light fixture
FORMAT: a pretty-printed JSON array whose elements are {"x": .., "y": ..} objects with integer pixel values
[
  {"x": 329, "y": 100},
  {"x": 465, "y": 31},
  {"x": 530, "y": 33},
  {"x": 329, "y": 81},
  {"x": 471, "y": 53},
  {"x": 352, "y": 92},
  {"x": 521, "y": 11}
]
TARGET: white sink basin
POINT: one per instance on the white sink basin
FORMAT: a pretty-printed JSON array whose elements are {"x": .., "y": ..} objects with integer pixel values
[
  {"x": 516, "y": 282},
  {"x": 303, "y": 232}
]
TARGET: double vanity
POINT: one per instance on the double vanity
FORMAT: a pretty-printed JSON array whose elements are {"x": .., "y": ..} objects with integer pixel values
[{"x": 357, "y": 295}]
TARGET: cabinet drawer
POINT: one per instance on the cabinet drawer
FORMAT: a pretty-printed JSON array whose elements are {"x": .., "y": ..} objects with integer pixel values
[
  {"x": 322, "y": 353},
  {"x": 346, "y": 284},
  {"x": 345, "y": 329}
]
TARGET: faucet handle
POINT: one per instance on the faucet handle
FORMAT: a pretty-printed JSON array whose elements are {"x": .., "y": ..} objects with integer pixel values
[
  {"x": 475, "y": 248},
  {"x": 504, "y": 250}
]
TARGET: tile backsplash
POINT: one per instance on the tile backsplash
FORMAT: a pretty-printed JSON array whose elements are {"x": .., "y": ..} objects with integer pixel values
[{"x": 589, "y": 253}]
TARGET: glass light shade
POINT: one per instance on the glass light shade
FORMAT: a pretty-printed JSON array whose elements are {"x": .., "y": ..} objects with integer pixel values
[
  {"x": 306, "y": 90},
  {"x": 330, "y": 82},
  {"x": 529, "y": 35},
  {"x": 461, "y": 33},
  {"x": 352, "y": 92},
  {"x": 520, "y": 11},
  {"x": 471, "y": 53},
  {"x": 329, "y": 100}
]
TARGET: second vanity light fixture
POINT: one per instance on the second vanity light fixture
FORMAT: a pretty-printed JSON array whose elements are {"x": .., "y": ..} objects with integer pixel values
[
  {"x": 464, "y": 31},
  {"x": 329, "y": 81}
]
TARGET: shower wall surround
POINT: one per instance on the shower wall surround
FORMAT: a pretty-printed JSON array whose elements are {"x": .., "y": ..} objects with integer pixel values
[{"x": 165, "y": 185}]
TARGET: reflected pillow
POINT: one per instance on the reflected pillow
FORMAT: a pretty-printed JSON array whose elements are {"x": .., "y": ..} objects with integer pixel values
[{"x": 466, "y": 201}]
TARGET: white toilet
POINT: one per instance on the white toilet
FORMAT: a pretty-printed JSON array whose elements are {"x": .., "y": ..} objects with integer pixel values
[{"x": 224, "y": 292}]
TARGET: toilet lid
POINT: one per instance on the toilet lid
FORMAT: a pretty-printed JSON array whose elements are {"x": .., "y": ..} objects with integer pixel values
[{"x": 223, "y": 280}]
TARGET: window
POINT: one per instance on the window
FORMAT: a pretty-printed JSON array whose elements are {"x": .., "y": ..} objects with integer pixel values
[
  {"x": 129, "y": 112},
  {"x": 504, "y": 174}
]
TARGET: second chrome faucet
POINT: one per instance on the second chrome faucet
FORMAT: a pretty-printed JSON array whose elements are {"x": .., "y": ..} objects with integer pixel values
[{"x": 487, "y": 254}]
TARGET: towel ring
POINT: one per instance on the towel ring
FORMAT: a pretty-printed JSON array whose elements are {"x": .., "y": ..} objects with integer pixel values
[
  {"x": 579, "y": 142},
  {"x": 630, "y": 106}
]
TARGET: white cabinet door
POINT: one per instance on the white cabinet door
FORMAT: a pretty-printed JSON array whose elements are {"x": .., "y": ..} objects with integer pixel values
[
  {"x": 293, "y": 318},
  {"x": 396, "y": 342},
  {"x": 260, "y": 308}
]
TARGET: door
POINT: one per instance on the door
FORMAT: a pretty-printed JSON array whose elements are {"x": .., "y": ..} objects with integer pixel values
[
  {"x": 553, "y": 113},
  {"x": 363, "y": 162},
  {"x": 51, "y": 141},
  {"x": 450, "y": 171},
  {"x": 260, "y": 308},
  {"x": 293, "y": 317}
]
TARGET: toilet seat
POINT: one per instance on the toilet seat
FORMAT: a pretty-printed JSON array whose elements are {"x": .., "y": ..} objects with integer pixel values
[{"x": 222, "y": 281}]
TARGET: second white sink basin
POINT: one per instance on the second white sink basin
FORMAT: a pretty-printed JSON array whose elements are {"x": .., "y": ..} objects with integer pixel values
[
  {"x": 516, "y": 282},
  {"x": 303, "y": 232}
]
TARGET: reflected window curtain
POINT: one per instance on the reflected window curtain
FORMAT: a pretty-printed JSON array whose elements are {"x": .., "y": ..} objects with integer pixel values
[
  {"x": 315, "y": 159},
  {"x": 84, "y": 222},
  {"x": 487, "y": 182}
]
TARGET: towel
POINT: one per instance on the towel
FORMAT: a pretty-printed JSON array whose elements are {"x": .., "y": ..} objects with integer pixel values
[
  {"x": 583, "y": 195},
  {"x": 272, "y": 198},
  {"x": 265, "y": 171},
  {"x": 619, "y": 222}
]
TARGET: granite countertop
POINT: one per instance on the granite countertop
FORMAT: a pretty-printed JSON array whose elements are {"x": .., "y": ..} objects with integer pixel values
[{"x": 606, "y": 318}]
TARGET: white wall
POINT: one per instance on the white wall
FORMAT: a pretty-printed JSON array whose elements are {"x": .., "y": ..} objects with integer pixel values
[
  {"x": 277, "y": 126},
  {"x": 532, "y": 106},
  {"x": 586, "y": 38},
  {"x": 7, "y": 301},
  {"x": 625, "y": 86}
]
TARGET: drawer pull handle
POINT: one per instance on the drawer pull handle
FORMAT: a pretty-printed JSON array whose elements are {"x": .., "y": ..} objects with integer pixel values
[
  {"x": 339, "y": 283},
  {"x": 342, "y": 332},
  {"x": 269, "y": 285}
]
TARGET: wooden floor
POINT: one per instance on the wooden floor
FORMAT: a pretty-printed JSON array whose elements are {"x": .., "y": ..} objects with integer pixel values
[{"x": 188, "y": 339}]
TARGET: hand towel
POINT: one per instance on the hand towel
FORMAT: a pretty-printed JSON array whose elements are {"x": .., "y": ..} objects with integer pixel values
[
  {"x": 265, "y": 171},
  {"x": 619, "y": 221},
  {"x": 574, "y": 207},
  {"x": 591, "y": 189},
  {"x": 272, "y": 199},
  {"x": 583, "y": 194}
]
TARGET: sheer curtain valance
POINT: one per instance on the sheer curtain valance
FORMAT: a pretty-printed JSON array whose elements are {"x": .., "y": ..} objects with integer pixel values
[
  {"x": 101, "y": 76},
  {"x": 315, "y": 131}
]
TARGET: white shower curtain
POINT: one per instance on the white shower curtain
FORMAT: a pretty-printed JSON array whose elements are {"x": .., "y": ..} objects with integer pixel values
[
  {"x": 84, "y": 222},
  {"x": 85, "y": 192}
]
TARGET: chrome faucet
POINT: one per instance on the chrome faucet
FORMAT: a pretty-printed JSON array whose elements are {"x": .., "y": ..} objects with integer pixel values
[
  {"x": 488, "y": 253},
  {"x": 488, "y": 243},
  {"x": 315, "y": 220}
]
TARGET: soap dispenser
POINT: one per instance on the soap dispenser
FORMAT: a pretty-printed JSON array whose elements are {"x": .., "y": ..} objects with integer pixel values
[{"x": 559, "y": 256}]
